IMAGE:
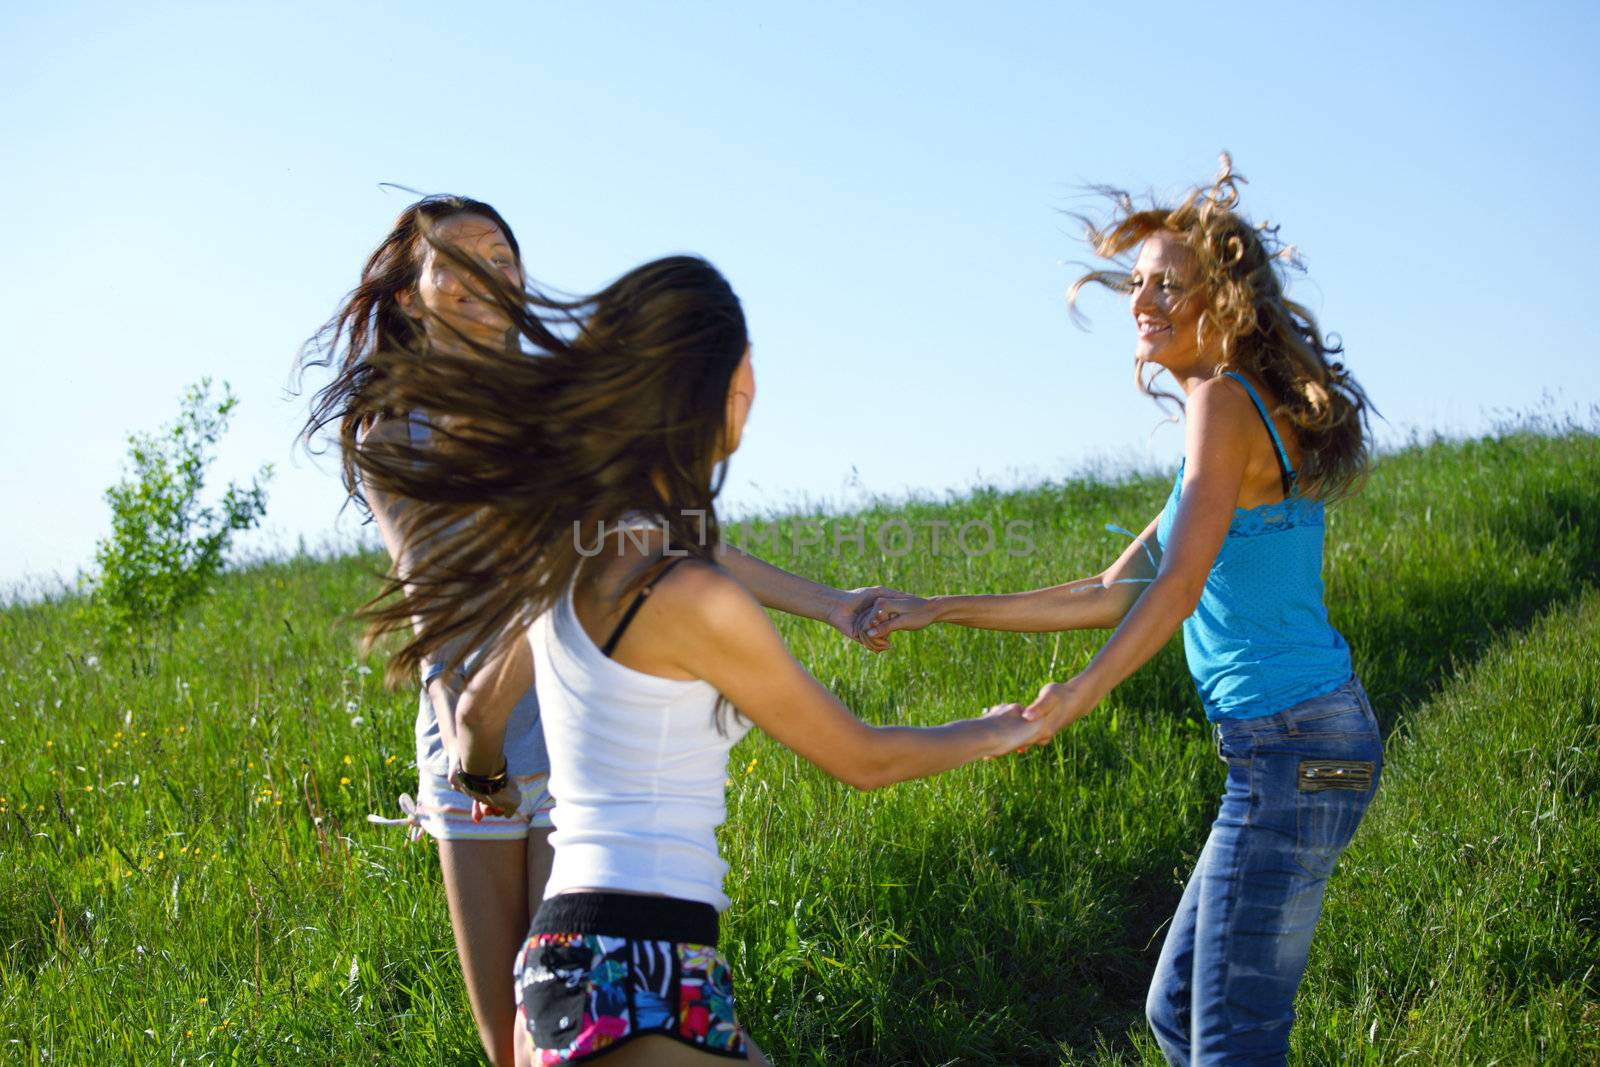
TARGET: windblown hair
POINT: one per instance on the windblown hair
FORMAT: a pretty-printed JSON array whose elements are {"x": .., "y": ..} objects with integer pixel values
[
  {"x": 370, "y": 319},
  {"x": 608, "y": 405},
  {"x": 1247, "y": 323}
]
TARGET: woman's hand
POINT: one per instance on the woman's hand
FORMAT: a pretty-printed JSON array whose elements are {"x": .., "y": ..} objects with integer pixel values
[
  {"x": 1013, "y": 731},
  {"x": 1059, "y": 705},
  {"x": 853, "y": 607},
  {"x": 893, "y": 613},
  {"x": 504, "y": 802}
]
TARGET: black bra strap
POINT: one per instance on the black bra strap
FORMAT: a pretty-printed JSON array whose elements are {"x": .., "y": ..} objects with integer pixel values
[{"x": 633, "y": 608}]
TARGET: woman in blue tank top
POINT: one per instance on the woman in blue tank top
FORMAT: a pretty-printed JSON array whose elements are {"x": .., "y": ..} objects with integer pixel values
[{"x": 1275, "y": 430}]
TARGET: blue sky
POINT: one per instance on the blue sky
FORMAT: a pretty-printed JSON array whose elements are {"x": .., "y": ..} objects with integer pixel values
[{"x": 193, "y": 186}]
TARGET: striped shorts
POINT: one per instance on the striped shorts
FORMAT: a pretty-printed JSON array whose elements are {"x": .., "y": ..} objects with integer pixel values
[{"x": 445, "y": 814}]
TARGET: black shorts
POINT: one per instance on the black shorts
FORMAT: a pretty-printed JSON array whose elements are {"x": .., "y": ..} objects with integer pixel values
[{"x": 599, "y": 969}]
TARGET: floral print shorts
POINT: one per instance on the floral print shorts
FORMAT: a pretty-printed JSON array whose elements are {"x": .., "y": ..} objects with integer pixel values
[{"x": 601, "y": 968}]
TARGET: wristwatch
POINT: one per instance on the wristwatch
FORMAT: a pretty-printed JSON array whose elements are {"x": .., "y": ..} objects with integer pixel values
[{"x": 486, "y": 784}]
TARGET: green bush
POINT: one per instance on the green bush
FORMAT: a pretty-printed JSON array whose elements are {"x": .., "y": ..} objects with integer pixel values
[{"x": 165, "y": 545}]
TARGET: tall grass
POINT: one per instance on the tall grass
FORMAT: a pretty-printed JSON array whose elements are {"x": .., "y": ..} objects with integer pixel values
[{"x": 190, "y": 877}]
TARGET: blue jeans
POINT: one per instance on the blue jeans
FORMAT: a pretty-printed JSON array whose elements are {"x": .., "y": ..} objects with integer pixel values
[{"x": 1298, "y": 783}]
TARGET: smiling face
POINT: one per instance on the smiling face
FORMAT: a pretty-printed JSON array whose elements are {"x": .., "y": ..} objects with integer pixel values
[
  {"x": 444, "y": 297},
  {"x": 1165, "y": 304}
]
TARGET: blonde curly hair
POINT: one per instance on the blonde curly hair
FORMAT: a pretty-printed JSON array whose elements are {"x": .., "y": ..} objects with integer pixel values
[{"x": 1247, "y": 323}]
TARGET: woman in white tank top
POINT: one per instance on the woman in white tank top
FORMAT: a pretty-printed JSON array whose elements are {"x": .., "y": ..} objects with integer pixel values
[
  {"x": 493, "y": 851},
  {"x": 651, "y": 659}
]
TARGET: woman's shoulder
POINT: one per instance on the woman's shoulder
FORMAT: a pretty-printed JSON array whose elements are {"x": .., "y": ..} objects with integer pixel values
[
  {"x": 695, "y": 581},
  {"x": 689, "y": 609},
  {"x": 1219, "y": 409},
  {"x": 674, "y": 579},
  {"x": 1225, "y": 394},
  {"x": 706, "y": 597}
]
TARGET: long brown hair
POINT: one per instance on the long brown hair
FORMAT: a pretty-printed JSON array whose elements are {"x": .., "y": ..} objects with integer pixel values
[
  {"x": 610, "y": 404},
  {"x": 1247, "y": 321},
  {"x": 370, "y": 319}
]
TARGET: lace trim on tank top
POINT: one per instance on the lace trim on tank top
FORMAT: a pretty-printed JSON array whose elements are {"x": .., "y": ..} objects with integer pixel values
[
  {"x": 1268, "y": 518},
  {"x": 1275, "y": 518}
]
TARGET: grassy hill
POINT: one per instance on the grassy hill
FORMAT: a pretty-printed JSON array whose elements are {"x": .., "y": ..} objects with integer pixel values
[{"x": 189, "y": 876}]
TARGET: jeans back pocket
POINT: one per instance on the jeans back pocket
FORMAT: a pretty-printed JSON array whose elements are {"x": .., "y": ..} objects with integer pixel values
[
  {"x": 1319, "y": 774},
  {"x": 1331, "y": 797}
]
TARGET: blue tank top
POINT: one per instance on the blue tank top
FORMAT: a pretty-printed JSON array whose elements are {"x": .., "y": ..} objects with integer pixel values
[{"x": 1260, "y": 641}]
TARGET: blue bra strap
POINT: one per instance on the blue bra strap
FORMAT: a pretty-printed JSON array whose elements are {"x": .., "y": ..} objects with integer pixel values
[
  {"x": 1149, "y": 555},
  {"x": 1287, "y": 472}
]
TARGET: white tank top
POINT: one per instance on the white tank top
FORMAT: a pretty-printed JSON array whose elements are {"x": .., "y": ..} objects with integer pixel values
[{"x": 637, "y": 767}]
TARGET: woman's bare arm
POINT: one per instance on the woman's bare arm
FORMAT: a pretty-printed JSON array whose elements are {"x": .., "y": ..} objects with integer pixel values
[
  {"x": 776, "y": 588},
  {"x": 1216, "y": 449},
  {"x": 481, "y": 716},
  {"x": 1095, "y": 603},
  {"x": 714, "y": 629}
]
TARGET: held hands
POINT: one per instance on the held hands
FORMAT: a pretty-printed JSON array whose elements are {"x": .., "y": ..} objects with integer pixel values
[
  {"x": 1013, "y": 731},
  {"x": 1019, "y": 728},
  {"x": 1059, "y": 705},
  {"x": 849, "y": 614},
  {"x": 892, "y": 613}
]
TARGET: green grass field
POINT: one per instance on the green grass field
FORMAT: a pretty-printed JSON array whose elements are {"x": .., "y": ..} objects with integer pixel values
[{"x": 189, "y": 876}]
